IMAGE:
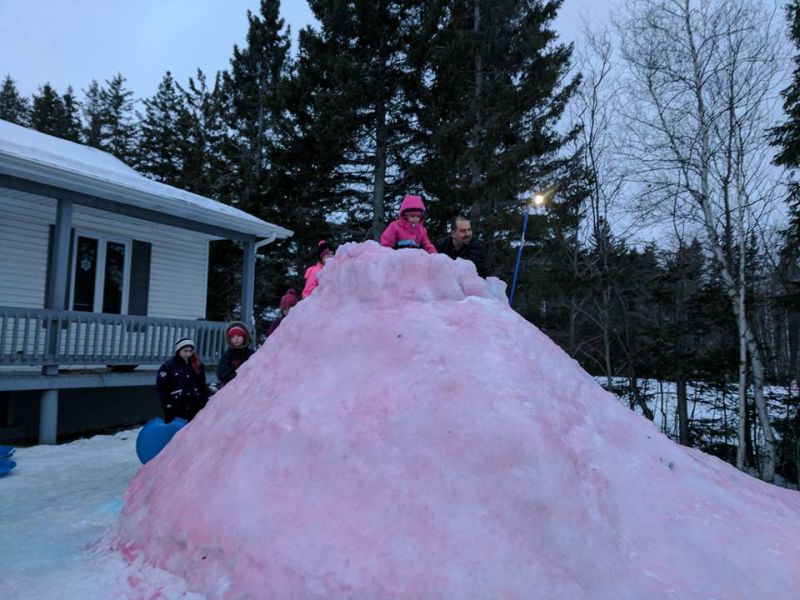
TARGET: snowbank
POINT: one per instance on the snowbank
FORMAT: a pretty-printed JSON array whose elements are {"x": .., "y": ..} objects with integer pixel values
[{"x": 404, "y": 433}]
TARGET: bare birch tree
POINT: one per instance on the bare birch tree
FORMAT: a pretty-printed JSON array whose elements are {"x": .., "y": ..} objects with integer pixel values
[{"x": 701, "y": 77}]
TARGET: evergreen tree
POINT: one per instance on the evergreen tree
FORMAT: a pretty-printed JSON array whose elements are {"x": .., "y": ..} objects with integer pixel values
[
  {"x": 92, "y": 109},
  {"x": 492, "y": 93},
  {"x": 71, "y": 127},
  {"x": 786, "y": 137},
  {"x": 252, "y": 106},
  {"x": 118, "y": 127},
  {"x": 164, "y": 130},
  {"x": 204, "y": 169},
  {"x": 13, "y": 107},
  {"x": 252, "y": 88},
  {"x": 358, "y": 74},
  {"x": 675, "y": 328},
  {"x": 51, "y": 114}
]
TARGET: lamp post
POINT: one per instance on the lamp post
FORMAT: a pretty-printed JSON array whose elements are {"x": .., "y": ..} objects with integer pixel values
[{"x": 538, "y": 200}]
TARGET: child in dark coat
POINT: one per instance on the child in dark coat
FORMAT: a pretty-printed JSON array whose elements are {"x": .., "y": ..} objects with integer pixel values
[
  {"x": 181, "y": 383},
  {"x": 238, "y": 351}
]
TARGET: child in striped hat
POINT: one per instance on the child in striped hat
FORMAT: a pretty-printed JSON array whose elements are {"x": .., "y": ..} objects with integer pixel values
[{"x": 181, "y": 383}]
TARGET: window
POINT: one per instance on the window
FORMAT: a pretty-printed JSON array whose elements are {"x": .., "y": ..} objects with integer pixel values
[{"x": 101, "y": 274}]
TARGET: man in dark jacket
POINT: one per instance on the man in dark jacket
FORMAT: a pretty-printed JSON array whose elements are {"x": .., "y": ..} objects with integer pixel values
[
  {"x": 460, "y": 243},
  {"x": 181, "y": 383}
]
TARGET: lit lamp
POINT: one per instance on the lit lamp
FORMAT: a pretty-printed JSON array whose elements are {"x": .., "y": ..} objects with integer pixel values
[{"x": 538, "y": 200}]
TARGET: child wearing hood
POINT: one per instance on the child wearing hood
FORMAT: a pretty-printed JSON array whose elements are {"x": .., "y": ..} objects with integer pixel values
[
  {"x": 288, "y": 300},
  {"x": 325, "y": 251},
  {"x": 238, "y": 351},
  {"x": 408, "y": 231},
  {"x": 181, "y": 383}
]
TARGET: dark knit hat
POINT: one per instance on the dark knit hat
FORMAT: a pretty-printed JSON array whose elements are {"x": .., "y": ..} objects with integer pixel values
[
  {"x": 289, "y": 299},
  {"x": 324, "y": 249}
]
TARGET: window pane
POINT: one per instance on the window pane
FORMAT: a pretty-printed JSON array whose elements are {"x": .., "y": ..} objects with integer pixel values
[
  {"x": 114, "y": 278},
  {"x": 85, "y": 272}
]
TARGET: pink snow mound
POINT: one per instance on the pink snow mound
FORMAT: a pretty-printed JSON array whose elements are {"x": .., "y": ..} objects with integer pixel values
[{"x": 405, "y": 434}]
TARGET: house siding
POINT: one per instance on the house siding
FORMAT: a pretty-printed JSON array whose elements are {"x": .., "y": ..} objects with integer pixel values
[{"x": 179, "y": 259}]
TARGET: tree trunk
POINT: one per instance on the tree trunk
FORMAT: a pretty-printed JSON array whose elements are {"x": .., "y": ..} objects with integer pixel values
[
  {"x": 683, "y": 411},
  {"x": 742, "y": 328},
  {"x": 379, "y": 176},
  {"x": 741, "y": 449},
  {"x": 756, "y": 364},
  {"x": 606, "y": 320},
  {"x": 474, "y": 165}
]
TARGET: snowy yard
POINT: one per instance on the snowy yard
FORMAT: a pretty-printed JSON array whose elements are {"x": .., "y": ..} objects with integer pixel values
[{"x": 55, "y": 509}]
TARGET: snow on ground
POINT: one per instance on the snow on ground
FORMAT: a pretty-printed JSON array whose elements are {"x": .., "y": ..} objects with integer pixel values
[{"x": 55, "y": 511}]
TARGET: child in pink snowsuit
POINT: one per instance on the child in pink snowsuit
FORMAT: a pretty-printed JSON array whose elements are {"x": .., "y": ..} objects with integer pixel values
[
  {"x": 325, "y": 252},
  {"x": 408, "y": 231}
]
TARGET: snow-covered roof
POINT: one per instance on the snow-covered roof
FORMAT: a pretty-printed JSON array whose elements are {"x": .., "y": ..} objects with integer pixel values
[{"x": 45, "y": 159}]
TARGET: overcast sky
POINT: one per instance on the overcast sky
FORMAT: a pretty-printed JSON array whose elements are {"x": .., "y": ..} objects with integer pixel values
[{"x": 71, "y": 42}]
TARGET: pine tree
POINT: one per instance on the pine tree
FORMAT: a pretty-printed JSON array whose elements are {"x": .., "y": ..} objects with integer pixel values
[
  {"x": 56, "y": 115},
  {"x": 252, "y": 89},
  {"x": 118, "y": 128},
  {"x": 357, "y": 69},
  {"x": 71, "y": 127},
  {"x": 492, "y": 93},
  {"x": 786, "y": 137},
  {"x": 677, "y": 343},
  {"x": 92, "y": 109},
  {"x": 13, "y": 107},
  {"x": 204, "y": 169},
  {"x": 250, "y": 100},
  {"x": 49, "y": 114},
  {"x": 164, "y": 128}
]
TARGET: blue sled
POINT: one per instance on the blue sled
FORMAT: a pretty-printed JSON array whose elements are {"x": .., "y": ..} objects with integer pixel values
[
  {"x": 154, "y": 436},
  {"x": 5, "y": 467}
]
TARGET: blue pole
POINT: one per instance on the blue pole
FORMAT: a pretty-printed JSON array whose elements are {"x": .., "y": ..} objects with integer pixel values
[{"x": 519, "y": 256}]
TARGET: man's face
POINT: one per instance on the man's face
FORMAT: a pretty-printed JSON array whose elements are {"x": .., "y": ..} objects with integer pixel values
[{"x": 462, "y": 234}]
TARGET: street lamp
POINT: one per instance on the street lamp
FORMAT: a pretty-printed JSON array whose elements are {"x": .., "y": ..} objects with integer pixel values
[{"x": 538, "y": 200}]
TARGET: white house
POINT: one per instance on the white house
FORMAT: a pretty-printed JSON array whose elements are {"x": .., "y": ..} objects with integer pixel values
[{"x": 88, "y": 255}]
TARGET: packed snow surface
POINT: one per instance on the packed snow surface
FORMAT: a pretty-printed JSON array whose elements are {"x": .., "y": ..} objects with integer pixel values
[{"x": 405, "y": 434}]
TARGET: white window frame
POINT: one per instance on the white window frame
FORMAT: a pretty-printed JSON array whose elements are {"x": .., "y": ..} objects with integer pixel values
[{"x": 100, "y": 271}]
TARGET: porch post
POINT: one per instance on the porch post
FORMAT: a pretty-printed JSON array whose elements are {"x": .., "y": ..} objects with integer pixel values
[
  {"x": 248, "y": 281},
  {"x": 48, "y": 417},
  {"x": 57, "y": 277}
]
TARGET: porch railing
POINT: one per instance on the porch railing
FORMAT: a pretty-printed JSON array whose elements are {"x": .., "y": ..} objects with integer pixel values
[{"x": 35, "y": 337}]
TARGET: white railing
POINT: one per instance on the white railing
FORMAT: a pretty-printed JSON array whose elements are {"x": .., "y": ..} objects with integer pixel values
[{"x": 36, "y": 337}]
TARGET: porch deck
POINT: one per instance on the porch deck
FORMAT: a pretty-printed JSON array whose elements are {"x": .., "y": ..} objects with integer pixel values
[{"x": 53, "y": 340}]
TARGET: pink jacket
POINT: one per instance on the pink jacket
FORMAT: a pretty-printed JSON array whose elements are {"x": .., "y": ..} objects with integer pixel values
[
  {"x": 402, "y": 234},
  {"x": 311, "y": 279}
]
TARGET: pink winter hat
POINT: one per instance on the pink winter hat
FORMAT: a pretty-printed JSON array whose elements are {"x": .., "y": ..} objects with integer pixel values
[
  {"x": 289, "y": 299},
  {"x": 411, "y": 202}
]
